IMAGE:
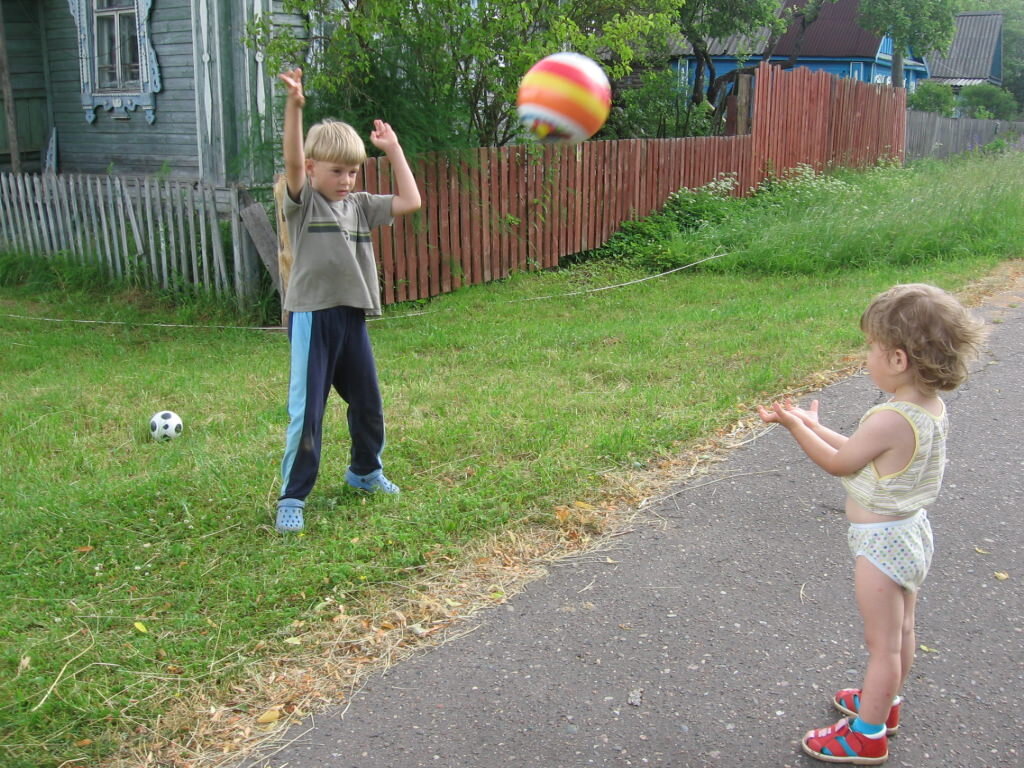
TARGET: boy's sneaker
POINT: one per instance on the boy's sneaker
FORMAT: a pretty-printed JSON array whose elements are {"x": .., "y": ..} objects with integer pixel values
[
  {"x": 289, "y": 516},
  {"x": 840, "y": 744},
  {"x": 847, "y": 701},
  {"x": 375, "y": 481}
]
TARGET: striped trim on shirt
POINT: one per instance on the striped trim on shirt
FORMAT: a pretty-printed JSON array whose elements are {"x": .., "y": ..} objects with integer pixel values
[{"x": 916, "y": 485}]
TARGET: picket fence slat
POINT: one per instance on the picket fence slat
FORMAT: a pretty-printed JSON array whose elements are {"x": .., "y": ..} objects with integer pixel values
[
  {"x": 117, "y": 226},
  {"x": 27, "y": 215},
  {"x": 221, "y": 268},
  {"x": 46, "y": 230},
  {"x": 102, "y": 234},
  {"x": 71, "y": 185},
  {"x": 11, "y": 230},
  {"x": 6, "y": 206},
  {"x": 154, "y": 232},
  {"x": 189, "y": 232},
  {"x": 68, "y": 221}
]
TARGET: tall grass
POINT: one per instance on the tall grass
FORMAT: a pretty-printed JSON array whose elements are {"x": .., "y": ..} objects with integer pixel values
[
  {"x": 135, "y": 572},
  {"x": 805, "y": 223}
]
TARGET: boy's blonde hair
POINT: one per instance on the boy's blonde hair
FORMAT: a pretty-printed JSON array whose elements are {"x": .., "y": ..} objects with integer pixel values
[
  {"x": 332, "y": 141},
  {"x": 937, "y": 333}
]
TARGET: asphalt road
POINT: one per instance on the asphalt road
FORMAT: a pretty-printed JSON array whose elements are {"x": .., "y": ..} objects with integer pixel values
[{"x": 726, "y": 620}]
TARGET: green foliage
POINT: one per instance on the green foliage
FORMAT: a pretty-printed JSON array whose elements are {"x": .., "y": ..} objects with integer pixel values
[
  {"x": 26, "y": 274},
  {"x": 988, "y": 102},
  {"x": 1009, "y": 142},
  {"x": 789, "y": 225},
  {"x": 42, "y": 273},
  {"x": 996, "y": 146},
  {"x": 446, "y": 73},
  {"x": 701, "y": 20},
  {"x": 658, "y": 108},
  {"x": 922, "y": 26},
  {"x": 933, "y": 97},
  {"x": 649, "y": 243}
]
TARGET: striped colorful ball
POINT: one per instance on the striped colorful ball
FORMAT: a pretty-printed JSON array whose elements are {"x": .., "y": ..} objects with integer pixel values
[{"x": 564, "y": 98}]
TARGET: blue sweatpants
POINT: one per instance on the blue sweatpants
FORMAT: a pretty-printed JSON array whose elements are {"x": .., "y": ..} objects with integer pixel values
[{"x": 330, "y": 347}]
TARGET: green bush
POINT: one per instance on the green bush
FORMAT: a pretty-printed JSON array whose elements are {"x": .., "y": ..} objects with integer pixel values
[
  {"x": 56, "y": 272},
  {"x": 988, "y": 102},
  {"x": 933, "y": 97},
  {"x": 805, "y": 222}
]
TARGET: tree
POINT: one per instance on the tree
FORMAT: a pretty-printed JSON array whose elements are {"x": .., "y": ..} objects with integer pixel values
[
  {"x": 657, "y": 107},
  {"x": 446, "y": 72},
  {"x": 701, "y": 21},
  {"x": 988, "y": 101},
  {"x": 918, "y": 25},
  {"x": 800, "y": 16},
  {"x": 933, "y": 97},
  {"x": 803, "y": 16}
]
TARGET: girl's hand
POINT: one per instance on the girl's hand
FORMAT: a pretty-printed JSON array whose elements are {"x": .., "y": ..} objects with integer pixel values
[
  {"x": 779, "y": 413},
  {"x": 808, "y": 416},
  {"x": 383, "y": 136}
]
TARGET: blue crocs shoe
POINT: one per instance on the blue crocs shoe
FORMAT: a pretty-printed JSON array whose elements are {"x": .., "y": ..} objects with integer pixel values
[
  {"x": 289, "y": 516},
  {"x": 375, "y": 481}
]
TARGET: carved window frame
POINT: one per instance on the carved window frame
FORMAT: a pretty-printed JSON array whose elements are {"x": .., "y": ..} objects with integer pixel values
[{"x": 120, "y": 102}]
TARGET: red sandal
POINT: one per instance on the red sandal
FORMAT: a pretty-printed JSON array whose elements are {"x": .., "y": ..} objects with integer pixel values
[
  {"x": 839, "y": 744},
  {"x": 847, "y": 701}
]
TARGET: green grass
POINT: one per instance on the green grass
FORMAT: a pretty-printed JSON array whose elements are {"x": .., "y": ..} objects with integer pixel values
[{"x": 501, "y": 405}]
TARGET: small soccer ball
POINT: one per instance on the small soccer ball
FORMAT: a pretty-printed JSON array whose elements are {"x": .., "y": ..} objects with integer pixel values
[
  {"x": 165, "y": 425},
  {"x": 564, "y": 98}
]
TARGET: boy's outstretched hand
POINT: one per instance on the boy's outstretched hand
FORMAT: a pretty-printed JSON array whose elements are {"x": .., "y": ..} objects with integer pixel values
[
  {"x": 292, "y": 79},
  {"x": 383, "y": 136}
]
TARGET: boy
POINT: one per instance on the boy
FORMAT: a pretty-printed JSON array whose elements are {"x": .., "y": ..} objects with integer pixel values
[
  {"x": 919, "y": 342},
  {"x": 333, "y": 285}
]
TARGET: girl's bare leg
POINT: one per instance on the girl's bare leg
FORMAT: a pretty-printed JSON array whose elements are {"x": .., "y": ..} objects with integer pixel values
[{"x": 883, "y": 606}]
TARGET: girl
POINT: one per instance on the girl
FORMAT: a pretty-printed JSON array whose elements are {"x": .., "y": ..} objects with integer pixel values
[{"x": 919, "y": 342}]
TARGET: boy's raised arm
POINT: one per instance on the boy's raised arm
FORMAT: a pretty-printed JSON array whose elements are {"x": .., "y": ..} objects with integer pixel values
[
  {"x": 407, "y": 192},
  {"x": 294, "y": 155}
]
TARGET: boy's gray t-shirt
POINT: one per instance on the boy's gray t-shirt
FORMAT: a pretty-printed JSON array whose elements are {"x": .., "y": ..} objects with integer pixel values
[{"x": 333, "y": 263}]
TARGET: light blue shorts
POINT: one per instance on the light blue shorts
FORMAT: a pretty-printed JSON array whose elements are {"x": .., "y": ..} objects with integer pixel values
[{"x": 901, "y": 549}]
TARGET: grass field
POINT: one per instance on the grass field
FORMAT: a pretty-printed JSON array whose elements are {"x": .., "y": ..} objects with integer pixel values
[{"x": 139, "y": 576}]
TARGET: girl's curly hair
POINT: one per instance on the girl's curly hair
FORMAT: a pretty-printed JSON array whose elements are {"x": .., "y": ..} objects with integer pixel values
[{"x": 938, "y": 334}]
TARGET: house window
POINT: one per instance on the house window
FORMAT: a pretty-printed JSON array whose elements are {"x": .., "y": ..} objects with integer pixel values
[
  {"x": 117, "y": 63},
  {"x": 683, "y": 73},
  {"x": 117, "y": 45}
]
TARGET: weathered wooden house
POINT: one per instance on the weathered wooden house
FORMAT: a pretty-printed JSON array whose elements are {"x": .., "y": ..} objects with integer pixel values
[{"x": 136, "y": 87}]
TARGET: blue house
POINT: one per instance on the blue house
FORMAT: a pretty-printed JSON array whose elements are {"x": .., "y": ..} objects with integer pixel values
[{"x": 834, "y": 42}]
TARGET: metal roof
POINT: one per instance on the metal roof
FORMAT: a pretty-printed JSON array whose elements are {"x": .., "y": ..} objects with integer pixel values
[
  {"x": 742, "y": 46},
  {"x": 960, "y": 82},
  {"x": 834, "y": 34},
  {"x": 974, "y": 51}
]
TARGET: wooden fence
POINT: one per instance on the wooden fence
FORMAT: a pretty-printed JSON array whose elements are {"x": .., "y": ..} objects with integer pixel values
[
  {"x": 487, "y": 213},
  {"x": 817, "y": 119},
  {"x": 930, "y": 135},
  {"x": 156, "y": 232},
  {"x": 491, "y": 212}
]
